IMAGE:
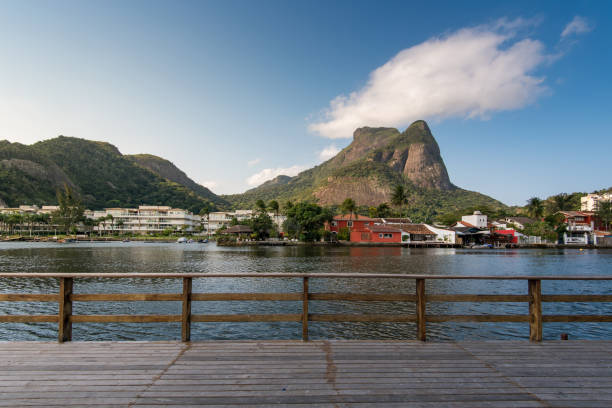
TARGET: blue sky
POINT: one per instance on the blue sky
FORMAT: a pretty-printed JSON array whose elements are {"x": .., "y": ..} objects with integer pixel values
[{"x": 234, "y": 92}]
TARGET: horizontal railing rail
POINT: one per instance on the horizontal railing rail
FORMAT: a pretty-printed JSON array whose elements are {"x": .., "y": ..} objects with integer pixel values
[{"x": 65, "y": 297}]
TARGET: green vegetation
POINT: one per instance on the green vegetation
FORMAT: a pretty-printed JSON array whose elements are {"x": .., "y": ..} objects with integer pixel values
[
  {"x": 96, "y": 171},
  {"x": 305, "y": 221},
  {"x": 70, "y": 210},
  {"x": 604, "y": 213}
]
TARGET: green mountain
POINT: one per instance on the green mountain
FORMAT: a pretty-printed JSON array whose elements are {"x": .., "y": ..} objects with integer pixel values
[
  {"x": 367, "y": 170},
  {"x": 166, "y": 169},
  {"x": 97, "y": 170}
]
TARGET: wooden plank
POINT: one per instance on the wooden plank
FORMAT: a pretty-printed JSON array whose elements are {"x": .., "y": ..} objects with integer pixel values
[
  {"x": 305, "y": 309},
  {"x": 125, "y": 297},
  {"x": 28, "y": 318},
  {"x": 421, "y": 307},
  {"x": 363, "y": 297},
  {"x": 535, "y": 310},
  {"x": 65, "y": 311},
  {"x": 28, "y": 297},
  {"x": 477, "y": 298},
  {"x": 576, "y": 298},
  {"x": 124, "y": 318},
  {"x": 186, "y": 310},
  {"x": 576, "y": 318},
  {"x": 246, "y": 318},
  {"x": 329, "y": 317},
  {"x": 245, "y": 296},
  {"x": 171, "y": 275},
  {"x": 477, "y": 318}
]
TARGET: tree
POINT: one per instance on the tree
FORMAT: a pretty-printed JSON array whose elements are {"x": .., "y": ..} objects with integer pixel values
[
  {"x": 262, "y": 225},
  {"x": 535, "y": 208},
  {"x": 70, "y": 210},
  {"x": 399, "y": 198},
  {"x": 604, "y": 213},
  {"x": 260, "y": 206},
  {"x": 372, "y": 212},
  {"x": 305, "y": 219},
  {"x": 274, "y": 207},
  {"x": 349, "y": 206},
  {"x": 560, "y": 202},
  {"x": 288, "y": 205},
  {"x": 205, "y": 215},
  {"x": 383, "y": 210}
]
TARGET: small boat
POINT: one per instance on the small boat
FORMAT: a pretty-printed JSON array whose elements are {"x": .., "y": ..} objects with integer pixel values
[
  {"x": 190, "y": 241},
  {"x": 181, "y": 240},
  {"x": 203, "y": 241},
  {"x": 126, "y": 240}
]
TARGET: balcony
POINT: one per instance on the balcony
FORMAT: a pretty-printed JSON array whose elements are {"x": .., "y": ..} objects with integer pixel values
[
  {"x": 576, "y": 240},
  {"x": 579, "y": 227}
]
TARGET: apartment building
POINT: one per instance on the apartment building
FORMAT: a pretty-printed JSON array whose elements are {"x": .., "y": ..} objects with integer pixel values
[{"x": 144, "y": 219}]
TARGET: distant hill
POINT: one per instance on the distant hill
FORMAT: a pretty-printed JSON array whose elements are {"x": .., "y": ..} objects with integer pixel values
[
  {"x": 98, "y": 172},
  {"x": 166, "y": 169},
  {"x": 367, "y": 170}
]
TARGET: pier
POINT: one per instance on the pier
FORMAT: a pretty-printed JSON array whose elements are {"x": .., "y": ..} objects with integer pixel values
[{"x": 306, "y": 372}]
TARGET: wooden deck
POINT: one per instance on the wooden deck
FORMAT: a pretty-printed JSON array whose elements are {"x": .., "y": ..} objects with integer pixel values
[{"x": 303, "y": 374}]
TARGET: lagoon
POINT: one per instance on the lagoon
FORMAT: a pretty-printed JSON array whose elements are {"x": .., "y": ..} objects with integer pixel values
[{"x": 208, "y": 258}]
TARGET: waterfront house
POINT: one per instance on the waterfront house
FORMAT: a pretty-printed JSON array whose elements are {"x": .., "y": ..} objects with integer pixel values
[
  {"x": 377, "y": 233},
  {"x": 580, "y": 226},
  {"x": 353, "y": 222},
  {"x": 239, "y": 230}
]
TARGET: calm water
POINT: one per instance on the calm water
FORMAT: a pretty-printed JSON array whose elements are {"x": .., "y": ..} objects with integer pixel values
[{"x": 145, "y": 257}]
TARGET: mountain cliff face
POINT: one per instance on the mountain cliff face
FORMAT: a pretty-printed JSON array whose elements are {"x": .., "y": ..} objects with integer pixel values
[
  {"x": 97, "y": 171},
  {"x": 369, "y": 168}
]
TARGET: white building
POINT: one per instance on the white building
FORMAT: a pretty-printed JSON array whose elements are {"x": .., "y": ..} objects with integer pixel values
[
  {"x": 442, "y": 234},
  {"x": 220, "y": 219},
  {"x": 144, "y": 219},
  {"x": 477, "y": 220},
  {"x": 590, "y": 202}
]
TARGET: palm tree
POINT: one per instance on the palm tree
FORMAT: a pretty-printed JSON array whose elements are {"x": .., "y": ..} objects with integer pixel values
[
  {"x": 399, "y": 198},
  {"x": 560, "y": 202},
  {"x": 349, "y": 206},
  {"x": 535, "y": 208},
  {"x": 261, "y": 205},
  {"x": 274, "y": 207}
]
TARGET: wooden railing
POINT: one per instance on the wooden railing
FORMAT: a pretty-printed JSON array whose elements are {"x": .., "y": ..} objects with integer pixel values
[{"x": 65, "y": 318}]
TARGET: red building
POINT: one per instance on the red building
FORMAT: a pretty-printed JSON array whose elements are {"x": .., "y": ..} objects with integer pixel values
[
  {"x": 353, "y": 222},
  {"x": 510, "y": 233},
  {"x": 377, "y": 233}
]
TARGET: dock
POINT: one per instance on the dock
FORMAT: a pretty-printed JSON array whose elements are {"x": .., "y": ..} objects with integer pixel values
[{"x": 307, "y": 374}]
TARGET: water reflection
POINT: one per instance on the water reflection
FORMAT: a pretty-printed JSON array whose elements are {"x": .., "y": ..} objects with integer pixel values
[{"x": 172, "y": 258}]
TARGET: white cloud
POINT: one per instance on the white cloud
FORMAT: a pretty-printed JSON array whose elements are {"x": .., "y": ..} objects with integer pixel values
[
  {"x": 253, "y": 162},
  {"x": 468, "y": 73},
  {"x": 268, "y": 174},
  {"x": 579, "y": 25},
  {"x": 329, "y": 152},
  {"x": 210, "y": 184}
]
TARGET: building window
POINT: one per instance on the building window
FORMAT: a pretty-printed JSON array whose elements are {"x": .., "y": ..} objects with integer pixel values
[
  {"x": 388, "y": 235},
  {"x": 349, "y": 223},
  {"x": 334, "y": 223},
  {"x": 380, "y": 235}
]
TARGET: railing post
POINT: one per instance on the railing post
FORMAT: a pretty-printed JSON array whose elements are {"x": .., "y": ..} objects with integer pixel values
[
  {"x": 186, "y": 314},
  {"x": 305, "y": 309},
  {"x": 421, "y": 307},
  {"x": 65, "y": 310},
  {"x": 535, "y": 310}
]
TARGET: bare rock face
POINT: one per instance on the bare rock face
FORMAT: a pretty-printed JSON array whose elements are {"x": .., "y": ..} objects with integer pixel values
[
  {"x": 365, "y": 192},
  {"x": 425, "y": 168}
]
